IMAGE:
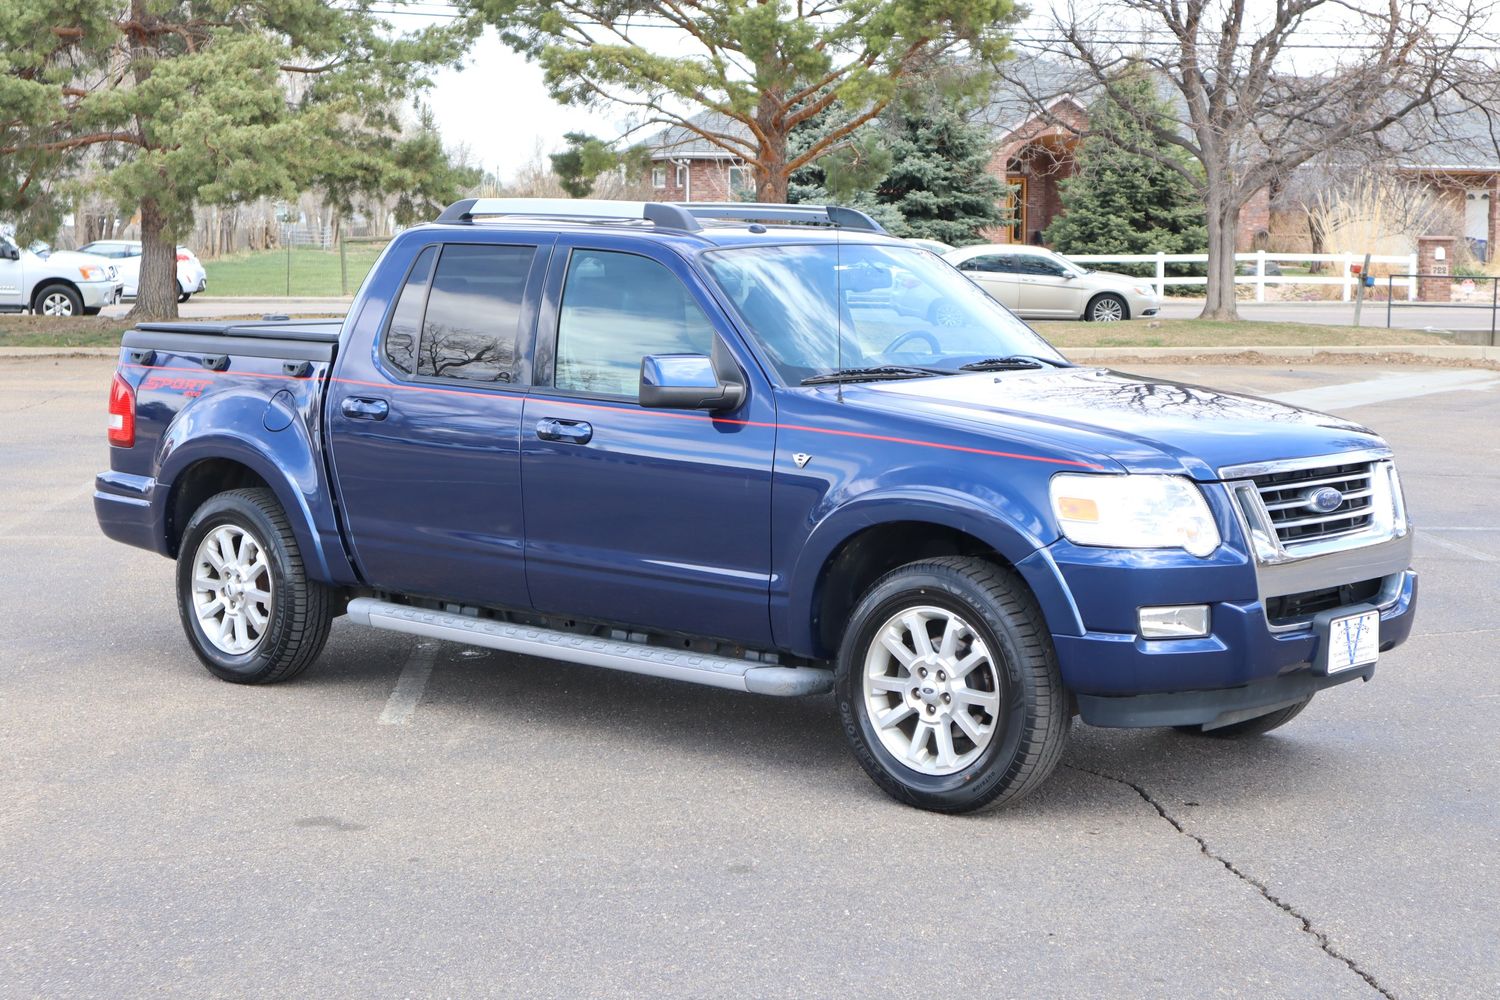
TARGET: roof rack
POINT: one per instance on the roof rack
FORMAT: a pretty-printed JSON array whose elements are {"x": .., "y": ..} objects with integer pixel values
[{"x": 681, "y": 216}]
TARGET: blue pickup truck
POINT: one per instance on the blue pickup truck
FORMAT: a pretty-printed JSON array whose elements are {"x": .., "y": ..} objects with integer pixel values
[{"x": 767, "y": 448}]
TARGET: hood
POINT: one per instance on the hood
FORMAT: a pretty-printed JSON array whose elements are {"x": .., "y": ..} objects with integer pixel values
[
  {"x": 1145, "y": 425},
  {"x": 1122, "y": 280},
  {"x": 72, "y": 258}
]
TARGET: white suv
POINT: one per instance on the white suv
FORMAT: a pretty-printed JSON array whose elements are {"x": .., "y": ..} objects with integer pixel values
[
  {"x": 1039, "y": 284},
  {"x": 126, "y": 255}
]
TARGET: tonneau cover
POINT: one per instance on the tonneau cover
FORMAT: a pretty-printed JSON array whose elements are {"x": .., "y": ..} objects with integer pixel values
[{"x": 324, "y": 331}]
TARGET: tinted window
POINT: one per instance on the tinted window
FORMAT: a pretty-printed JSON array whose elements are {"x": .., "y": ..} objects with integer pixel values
[
  {"x": 992, "y": 262},
  {"x": 473, "y": 319},
  {"x": 1042, "y": 266},
  {"x": 616, "y": 309},
  {"x": 406, "y": 320}
]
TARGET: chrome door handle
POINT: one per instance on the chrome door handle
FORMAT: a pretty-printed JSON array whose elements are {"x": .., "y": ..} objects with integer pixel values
[
  {"x": 573, "y": 431},
  {"x": 361, "y": 408}
]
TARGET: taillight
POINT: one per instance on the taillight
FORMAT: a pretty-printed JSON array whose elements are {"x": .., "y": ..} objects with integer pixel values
[
  {"x": 121, "y": 413},
  {"x": 181, "y": 255}
]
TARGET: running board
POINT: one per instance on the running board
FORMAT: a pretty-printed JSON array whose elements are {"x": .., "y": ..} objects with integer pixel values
[{"x": 637, "y": 658}]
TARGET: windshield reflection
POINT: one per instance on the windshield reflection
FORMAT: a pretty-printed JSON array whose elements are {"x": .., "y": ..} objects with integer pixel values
[{"x": 891, "y": 305}]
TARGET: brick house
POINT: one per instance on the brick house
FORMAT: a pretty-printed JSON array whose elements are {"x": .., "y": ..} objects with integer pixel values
[
  {"x": 1033, "y": 155},
  {"x": 1461, "y": 168}
]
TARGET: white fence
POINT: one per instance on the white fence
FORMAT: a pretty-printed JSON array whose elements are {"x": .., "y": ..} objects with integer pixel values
[{"x": 1343, "y": 274}]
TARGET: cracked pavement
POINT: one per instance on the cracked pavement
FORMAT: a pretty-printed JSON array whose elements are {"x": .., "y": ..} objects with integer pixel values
[{"x": 537, "y": 829}]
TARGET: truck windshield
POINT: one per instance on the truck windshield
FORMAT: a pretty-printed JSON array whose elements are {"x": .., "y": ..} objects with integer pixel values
[{"x": 893, "y": 306}]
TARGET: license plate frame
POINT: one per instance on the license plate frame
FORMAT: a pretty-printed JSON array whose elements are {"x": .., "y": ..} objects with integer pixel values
[{"x": 1351, "y": 640}]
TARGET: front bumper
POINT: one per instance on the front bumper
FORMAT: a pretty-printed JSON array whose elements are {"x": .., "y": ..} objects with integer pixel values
[
  {"x": 1241, "y": 670},
  {"x": 98, "y": 294}
]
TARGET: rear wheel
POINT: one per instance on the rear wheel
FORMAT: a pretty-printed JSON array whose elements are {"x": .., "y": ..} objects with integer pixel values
[
  {"x": 182, "y": 294},
  {"x": 948, "y": 687},
  {"x": 57, "y": 300},
  {"x": 249, "y": 610},
  {"x": 1251, "y": 727}
]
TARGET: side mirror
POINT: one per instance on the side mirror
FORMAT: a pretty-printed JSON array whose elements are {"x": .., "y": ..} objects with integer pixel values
[
  {"x": 689, "y": 382},
  {"x": 8, "y": 252}
]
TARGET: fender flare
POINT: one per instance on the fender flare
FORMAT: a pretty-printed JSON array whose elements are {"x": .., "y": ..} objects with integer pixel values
[
  {"x": 1021, "y": 546},
  {"x": 292, "y": 471}
]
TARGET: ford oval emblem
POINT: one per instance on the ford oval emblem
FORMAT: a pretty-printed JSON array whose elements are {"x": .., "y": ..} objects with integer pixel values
[{"x": 1324, "y": 500}]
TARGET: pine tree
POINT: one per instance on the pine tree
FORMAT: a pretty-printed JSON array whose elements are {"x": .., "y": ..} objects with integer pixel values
[
  {"x": 1125, "y": 202},
  {"x": 939, "y": 180}
]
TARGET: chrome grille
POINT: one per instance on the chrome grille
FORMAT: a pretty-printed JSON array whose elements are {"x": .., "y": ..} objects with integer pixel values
[{"x": 1286, "y": 496}]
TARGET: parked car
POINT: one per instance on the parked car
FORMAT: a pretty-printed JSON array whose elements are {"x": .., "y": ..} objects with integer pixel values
[
  {"x": 1036, "y": 283},
  {"x": 673, "y": 440},
  {"x": 126, "y": 254},
  {"x": 64, "y": 283},
  {"x": 935, "y": 246}
]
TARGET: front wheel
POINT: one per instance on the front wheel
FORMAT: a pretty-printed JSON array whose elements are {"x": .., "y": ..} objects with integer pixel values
[
  {"x": 246, "y": 603},
  {"x": 1106, "y": 309},
  {"x": 948, "y": 687},
  {"x": 57, "y": 300}
]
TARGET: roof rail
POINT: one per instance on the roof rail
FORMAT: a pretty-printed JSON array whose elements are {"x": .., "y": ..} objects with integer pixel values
[
  {"x": 662, "y": 215},
  {"x": 682, "y": 216},
  {"x": 748, "y": 211}
]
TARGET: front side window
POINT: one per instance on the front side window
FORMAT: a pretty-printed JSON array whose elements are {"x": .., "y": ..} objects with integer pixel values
[
  {"x": 616, "y": 309},
  {"x": 816, "y": 307},
  {"x": 1044, "y": 266}
]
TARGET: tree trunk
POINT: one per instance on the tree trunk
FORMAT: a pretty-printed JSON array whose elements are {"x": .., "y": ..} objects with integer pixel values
[
  {"x": 1223, "y": 224},
  {"x": 771, "y": 173},
  {"x": 156, "y": 297}
]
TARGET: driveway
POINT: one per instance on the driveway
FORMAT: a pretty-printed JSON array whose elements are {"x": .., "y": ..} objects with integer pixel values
[{"x": 422, "y": 820}]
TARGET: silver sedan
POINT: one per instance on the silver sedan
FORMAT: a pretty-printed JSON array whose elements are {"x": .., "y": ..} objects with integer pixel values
[{"x": 1038, "y": 284}]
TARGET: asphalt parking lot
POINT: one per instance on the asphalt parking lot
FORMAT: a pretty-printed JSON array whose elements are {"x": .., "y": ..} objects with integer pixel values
[{"x": 523, "y": 828}]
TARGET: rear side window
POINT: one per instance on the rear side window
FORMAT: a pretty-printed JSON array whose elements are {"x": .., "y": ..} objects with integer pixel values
[
  {"x": 993, "y": 262},
  {"x": 473, "y": 317},
  {"x": 616, "y": 309},
  {"x": 459, "y": 315},
  {"x": 406, "y": 321}
]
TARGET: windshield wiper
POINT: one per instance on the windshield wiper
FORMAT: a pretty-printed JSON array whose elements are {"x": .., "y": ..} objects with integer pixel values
[
  {"x": 1010, "y": 361},
  {"x": 870, "y": 374}
]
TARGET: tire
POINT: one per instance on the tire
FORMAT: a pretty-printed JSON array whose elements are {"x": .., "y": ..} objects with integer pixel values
[
  {"x": 283, "y": 632},
  {"x": 1106, "y": 308},
  {"x": 1014, "y": 683},
  {"x": 183, "y": 296},
  {"x": 1257, "y": 726},
  {"x": 57, "y": 300}
]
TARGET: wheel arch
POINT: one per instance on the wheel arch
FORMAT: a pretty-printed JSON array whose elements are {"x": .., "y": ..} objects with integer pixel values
[
  {"x": 46, "y": 283},
  {"x": 1106, "y": 293},
  {"x": 851, "y": 549}
]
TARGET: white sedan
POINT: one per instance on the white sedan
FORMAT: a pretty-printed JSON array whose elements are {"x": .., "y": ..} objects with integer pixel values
[
  {"x": 1036, "y": 283},
  {"x": 126, "y": 256}
]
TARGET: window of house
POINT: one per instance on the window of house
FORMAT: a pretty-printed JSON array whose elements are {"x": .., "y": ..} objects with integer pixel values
[
  {"x": 682, "y": 175},
  {"x": 616, "y": 309},
  {"x": 658, "y": 177},
  {"x": 741, "y": 182},
  {"x": 1015, "y": 211},
  {"x": 459, "y": 314}
]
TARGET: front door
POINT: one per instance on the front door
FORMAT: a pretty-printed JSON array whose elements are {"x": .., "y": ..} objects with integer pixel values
[
  {"x": 11, "y": 275},
  {"x": 1048, "y": 288},
  {"x": 646, "y": 517},
  {"x": 425, "y": 428}
]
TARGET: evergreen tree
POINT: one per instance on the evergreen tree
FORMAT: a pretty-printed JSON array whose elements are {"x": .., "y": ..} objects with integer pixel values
[
  {"x": 939, "y": 181},
  {"x": 1127, "y": 202}
]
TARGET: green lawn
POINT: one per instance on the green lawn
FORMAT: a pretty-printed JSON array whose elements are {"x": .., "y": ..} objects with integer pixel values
[{"x": 312, "y": 272}]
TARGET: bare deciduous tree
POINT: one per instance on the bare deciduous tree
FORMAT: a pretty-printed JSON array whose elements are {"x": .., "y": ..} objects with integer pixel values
[{"x": 1261, "y": 88}]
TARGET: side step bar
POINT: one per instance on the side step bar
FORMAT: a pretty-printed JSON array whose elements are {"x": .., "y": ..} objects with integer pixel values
[{"x": 637, "y": 658}]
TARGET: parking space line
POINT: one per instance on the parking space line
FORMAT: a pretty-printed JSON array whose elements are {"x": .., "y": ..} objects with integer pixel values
[
  {"x": 1461, "y": 549},
  {"x": 402, "y": 704},
  {"x": 1386, "y": 389}
]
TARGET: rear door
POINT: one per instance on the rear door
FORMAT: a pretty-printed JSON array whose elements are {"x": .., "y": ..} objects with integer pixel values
[
  {"x": 996, "y": 273},
  {"x": 647, "y": 517},
  {"x": 425, "y": 429}
]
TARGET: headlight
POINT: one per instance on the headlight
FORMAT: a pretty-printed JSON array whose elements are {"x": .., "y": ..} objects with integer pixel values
[
  {"x": 91, "y": 272},
  {"x": 1146, "y": 290},
  {"x": 1134, "y": 512}
]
